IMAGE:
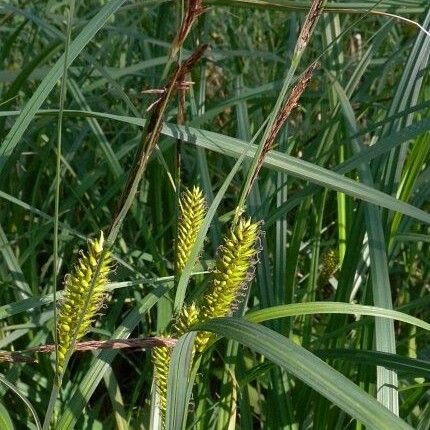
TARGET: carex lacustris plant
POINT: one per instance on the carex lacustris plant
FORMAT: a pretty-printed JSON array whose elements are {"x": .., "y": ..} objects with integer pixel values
[
  {"x": 84, "y": 294},
  {"x": 233, "y": 271},
  {"x": 192, "y": 210}
]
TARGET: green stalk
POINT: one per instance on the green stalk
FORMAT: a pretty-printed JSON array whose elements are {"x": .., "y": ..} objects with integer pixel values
[
  {"x": 57, "y": 380},
  {"x": 331, "y": 37},
  {"x": 52, "y": 400}
]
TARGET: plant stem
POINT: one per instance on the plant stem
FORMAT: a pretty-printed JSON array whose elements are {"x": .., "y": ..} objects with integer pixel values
[
  {"x": 56, "y": 385},
  {"x": 51, "y": 405}
]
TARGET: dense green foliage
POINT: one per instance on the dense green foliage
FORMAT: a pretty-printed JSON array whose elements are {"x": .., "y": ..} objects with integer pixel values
[{"x": 343, "y": 200}]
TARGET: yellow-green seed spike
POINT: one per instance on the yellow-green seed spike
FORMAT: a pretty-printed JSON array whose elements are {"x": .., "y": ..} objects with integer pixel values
[
  {"x": 72, "y": 322},
  {"x": 188, "y": 317},
  {"x": 192, "y": 210},
  {"x": 161, "y": 359},
  {"x": 161, "y": 355},
  {"x": 233, "y": 271},
  {"x": 330, "y": 264}
]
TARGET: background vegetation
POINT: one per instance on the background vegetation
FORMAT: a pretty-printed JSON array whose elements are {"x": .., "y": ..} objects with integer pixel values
[{"x": 344, "y": 197}]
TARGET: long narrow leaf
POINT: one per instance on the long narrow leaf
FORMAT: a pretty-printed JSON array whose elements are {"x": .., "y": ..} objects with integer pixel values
[{"x": 310, "y": 369}]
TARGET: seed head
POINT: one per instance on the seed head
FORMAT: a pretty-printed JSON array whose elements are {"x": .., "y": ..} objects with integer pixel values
[
  {"x": 161, "y": 355},
  {"x": 188, "y": 317},
  {"x": 192, "y": 212},
  {"x": 233, "y": 272},
  {"x": 161, "y": 359},
  {"x": 82, "y": 288},
  {"x": 330, "y": 264}
]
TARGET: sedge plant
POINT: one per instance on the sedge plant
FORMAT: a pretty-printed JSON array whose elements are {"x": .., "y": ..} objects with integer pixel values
[
  {"x": 83, "y": 296},
  {"x": 376, "y": 64},
  {"x": 233, "y": 271},
  {"x": 192, "y": 210}
]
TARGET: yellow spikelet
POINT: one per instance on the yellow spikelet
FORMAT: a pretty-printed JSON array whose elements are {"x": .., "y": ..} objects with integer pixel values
[
  {"x": 192, "y": 212},
  {"x": 330, "y": 264},
  {"x": 161, "y": 355},
  {"x": 161, "y": 359},
  {"x": 188, "y": 317},
  {"x": 233, "y": 271},
  {"x": 73, "y": 323}
]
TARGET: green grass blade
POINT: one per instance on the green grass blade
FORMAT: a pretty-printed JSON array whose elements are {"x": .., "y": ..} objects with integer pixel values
[
  {"x": 310, "y": 369},
  {"x": 282, "y": 163},
  {"x": 113, "y": 388},
  {"x": 12, "y": 387},
  {"x": 33, "y": 105},
  {"x": 381, "y": 287},
  {"x": 23, "y": 290},
  {"x": 178, "y": 396},
  {"x": 332, "y": 308},
  {"x": 366, "y": 6},
  {"x": 5, "y": 420},
  {"x": 407, "y": 367}
]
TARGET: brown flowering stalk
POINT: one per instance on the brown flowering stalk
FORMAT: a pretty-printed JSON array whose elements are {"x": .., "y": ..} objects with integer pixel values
[
  {"x": 282, "y": 117},
  {"x": 193, "y": 11},
  {"x": 90, "y": 345}
]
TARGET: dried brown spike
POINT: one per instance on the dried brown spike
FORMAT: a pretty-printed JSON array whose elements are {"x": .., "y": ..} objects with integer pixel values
[
  {"x": 194, "y": 10},
  {"x": 284, "y": 114},
  {"x": 310, "y": 22}
]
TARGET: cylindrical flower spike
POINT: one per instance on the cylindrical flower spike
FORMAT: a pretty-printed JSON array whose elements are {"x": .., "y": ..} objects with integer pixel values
[
  {"x": 161, "y": 359},
  {"x": 188, "y": 316},
  {"x": 82, "y": 287},
  {"x": 192, "y": 211},
  {"x": 233, "y": 272},
  {"x": 161, "y": 354},
  {"x": 330, "y": 264}
]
